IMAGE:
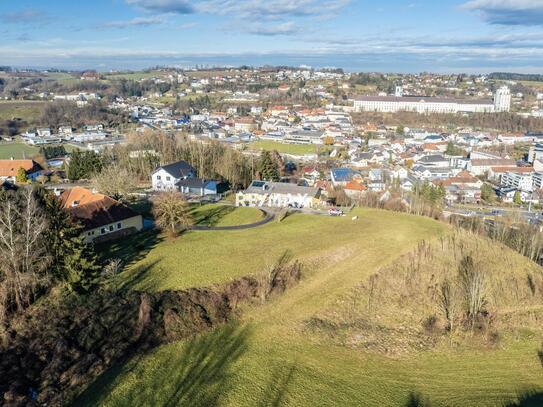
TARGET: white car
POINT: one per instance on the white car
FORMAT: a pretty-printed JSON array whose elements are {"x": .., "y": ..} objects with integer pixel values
[{"x": 335, "y": 212}]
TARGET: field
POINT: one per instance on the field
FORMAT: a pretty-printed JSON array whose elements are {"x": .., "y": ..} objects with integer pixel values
[
  {"x": 269, "y": 358},
  {"x": 294, "y": 149},
  {"x": 134, "y": 75},
  {"x": 26, "y": 110},
  {"x": 17, "y": 151}
]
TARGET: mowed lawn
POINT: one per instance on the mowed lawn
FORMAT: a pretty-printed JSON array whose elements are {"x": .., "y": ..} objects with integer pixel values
[
  {"x": 294, "y": 149},
  {"x": 225, "y": 215},
  {"x": 200, "y": 258},
  {"x": 17, "y": 151},
  {"x": 269, "y": 359}
]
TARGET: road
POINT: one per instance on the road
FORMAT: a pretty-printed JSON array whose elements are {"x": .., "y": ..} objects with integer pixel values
[
  {"x": 270, "y": 215},
  {"x": 492, "y": 212}
]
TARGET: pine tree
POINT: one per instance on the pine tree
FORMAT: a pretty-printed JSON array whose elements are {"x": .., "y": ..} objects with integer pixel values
[
  {"x": 267, "y": 167},
  {"x": 72, "y": 260}
]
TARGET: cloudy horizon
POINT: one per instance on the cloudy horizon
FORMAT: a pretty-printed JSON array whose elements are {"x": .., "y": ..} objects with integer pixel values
[{"x": 475, "y": 36}]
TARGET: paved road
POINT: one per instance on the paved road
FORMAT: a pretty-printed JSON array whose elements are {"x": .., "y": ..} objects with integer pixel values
[
  {"x": 270, "y": 215},
  {"x": 492, "y": 212}
]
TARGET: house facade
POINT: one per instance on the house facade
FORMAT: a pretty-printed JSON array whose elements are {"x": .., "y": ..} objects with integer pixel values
[
  {"x": 166, "y": 177},
  {"x": 201, "y": 187},
  {"x": 278, "y": 195},
  {"x": 101, "y": 217},
  {"x": 9, "y": 169}
]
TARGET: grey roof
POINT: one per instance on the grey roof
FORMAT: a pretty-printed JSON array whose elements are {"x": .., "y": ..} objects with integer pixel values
[
  {"x": 179, "y": 169},
  {"x": 420, "y": 99},
  {"x": 193, "y": 182},
  {"x": 266, "y": 187},
  {"x": 432, "y": 159}
]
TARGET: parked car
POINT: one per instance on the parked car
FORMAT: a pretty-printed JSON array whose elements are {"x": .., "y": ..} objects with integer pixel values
[{"x": 335, "y": 212}]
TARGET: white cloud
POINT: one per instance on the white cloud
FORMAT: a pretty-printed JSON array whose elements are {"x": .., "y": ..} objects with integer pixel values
[
  {"x": 244, "y": 8},
  {"x": 135, "y": 22}
]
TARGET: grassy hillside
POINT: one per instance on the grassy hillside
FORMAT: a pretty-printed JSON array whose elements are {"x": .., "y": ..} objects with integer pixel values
[
  {"x": 317, "y": 343},
  {"x": 224, "y": 215},
  {"x": 29, "y": 111}
]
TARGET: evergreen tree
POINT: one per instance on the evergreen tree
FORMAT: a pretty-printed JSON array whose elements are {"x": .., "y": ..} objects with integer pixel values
[
  {"x": 72, "y": 260},
  {"x": 267, "y": 167},
  {"x": 20, "y": 178},
  {"x": 487, "y": 193},
  {"x": 83, "y": 165}
]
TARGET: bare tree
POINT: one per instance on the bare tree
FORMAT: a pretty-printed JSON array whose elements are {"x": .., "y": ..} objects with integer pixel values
[
  {"x": 115, "y": 181},
  {"x": 473, "y": 283},
  {"x": 22, "y": 250},
  {"x": 448, "y": 299},
  {"x": 171, "y": 211}
]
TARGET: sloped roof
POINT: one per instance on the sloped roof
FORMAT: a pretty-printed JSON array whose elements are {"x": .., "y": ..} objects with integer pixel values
[
  {"x": 9, "y": 168},
  {"x": 93, "y": 210},
  {"x": 179, "y": 169}
]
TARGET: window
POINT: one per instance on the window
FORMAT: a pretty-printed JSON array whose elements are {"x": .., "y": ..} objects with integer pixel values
[
  {"x": 103, "y": 230},
  {"x": 119, "y": 225},
  {"x": 111, "y": 228},
  {"x": 168, "y": 178},
  {"x": 158, "y": 178}
]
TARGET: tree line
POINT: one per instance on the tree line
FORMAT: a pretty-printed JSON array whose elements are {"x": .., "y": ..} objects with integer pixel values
[{"x": 40, "y": 248}]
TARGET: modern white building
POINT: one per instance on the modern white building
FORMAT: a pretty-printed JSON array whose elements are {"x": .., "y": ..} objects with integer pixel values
[
  {"x": 519, "y": 181},
  {"x": 423, "y": 104},
  {"x": 502, "y": 99}
]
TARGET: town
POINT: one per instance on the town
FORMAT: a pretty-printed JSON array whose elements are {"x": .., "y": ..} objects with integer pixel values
[
  {"x": 332, "y": 134},
  {"x": 200, "y": 217}
]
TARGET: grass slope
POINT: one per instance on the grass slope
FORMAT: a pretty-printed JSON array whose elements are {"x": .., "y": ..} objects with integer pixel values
[
  {"x": 28, "y": 111},
  {"x": 269, "y": 359},
  {"x": 225, "y": 215}
]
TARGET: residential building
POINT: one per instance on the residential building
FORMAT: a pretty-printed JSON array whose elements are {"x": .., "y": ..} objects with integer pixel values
[
  {"x": 201, "y": 187},
  {"x": 9, "y": 169},
  {"x": 480, "y": 166},
  {"x": 278, "y": 195},
  {"x": 102, "y": 217},
  {"x": 166, "y": 177},
  {"x": 340, "y": 176},
  {"x": 519, "y": 181}
]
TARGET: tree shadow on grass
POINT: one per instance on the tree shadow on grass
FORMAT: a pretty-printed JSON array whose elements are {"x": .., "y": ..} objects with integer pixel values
[
  {"x": 277, "y": 388},
  {"x": 415, "y": 399},
  {"x": 530, "y": 398},
  {"x": 211, "y": 216},
  {"x": 129, "y": 249},
  {"x": 136, "y": 278},
  {"x": 196, "y": 376},
  {"x": 206, "y": 367}
]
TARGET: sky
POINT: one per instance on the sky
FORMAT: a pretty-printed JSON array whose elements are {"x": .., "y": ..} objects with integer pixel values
[{"x": 471, "y": 36}]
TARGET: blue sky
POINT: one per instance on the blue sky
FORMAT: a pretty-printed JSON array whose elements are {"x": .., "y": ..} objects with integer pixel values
[{"x": 392, "y": 36}]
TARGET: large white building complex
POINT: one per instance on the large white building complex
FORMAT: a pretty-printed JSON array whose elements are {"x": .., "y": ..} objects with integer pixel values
[{"x": 422, "y": 104}]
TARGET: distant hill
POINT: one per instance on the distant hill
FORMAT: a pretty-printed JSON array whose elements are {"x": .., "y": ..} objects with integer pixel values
[{"x": 508, "y": 76}]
